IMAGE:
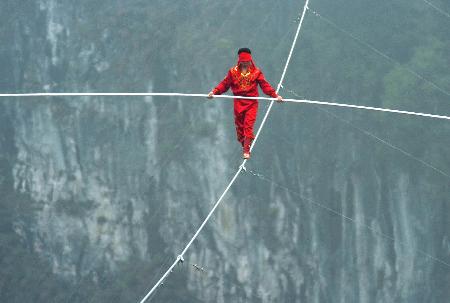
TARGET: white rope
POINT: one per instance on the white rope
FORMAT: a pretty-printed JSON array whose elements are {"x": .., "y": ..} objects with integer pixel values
[
  {"x": 352, "y": 220},
  {"x": 396, "y": 111},
  {"x": 102, "y": 95},
  {"x": 280, "y": 84},
  {"x": 375, "y": 137},
  {"x": 437, "y": 8},
  {"x": 380, "y": 53},
  {"x": 241, "y": 167},
  {"x": 404, "y": 112}
]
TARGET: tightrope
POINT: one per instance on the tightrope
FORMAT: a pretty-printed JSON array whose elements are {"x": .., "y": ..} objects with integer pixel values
[
  {"x": 180, "y": 257},
  {"x": 380, "y": 109}
]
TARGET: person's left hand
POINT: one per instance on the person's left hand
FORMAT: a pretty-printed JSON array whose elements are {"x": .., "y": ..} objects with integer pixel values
[{"x": 279, "y": 99}]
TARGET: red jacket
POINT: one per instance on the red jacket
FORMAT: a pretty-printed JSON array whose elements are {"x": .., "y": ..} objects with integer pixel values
[{"x": 245, "y": 85}]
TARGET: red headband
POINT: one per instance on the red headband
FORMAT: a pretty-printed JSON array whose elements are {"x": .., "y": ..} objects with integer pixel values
[{"x": 244, "y": 57}]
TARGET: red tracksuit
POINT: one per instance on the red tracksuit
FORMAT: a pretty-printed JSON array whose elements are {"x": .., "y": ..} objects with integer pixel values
[{"x": 245, "y": 110}]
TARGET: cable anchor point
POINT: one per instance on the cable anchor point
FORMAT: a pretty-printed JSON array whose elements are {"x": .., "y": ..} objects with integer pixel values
[
  {"x": 198, "y": 268},
  {"x": 180, "y": 259}
]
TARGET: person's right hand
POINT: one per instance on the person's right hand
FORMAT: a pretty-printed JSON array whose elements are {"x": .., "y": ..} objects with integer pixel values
[{"x": 210, "y": 95}]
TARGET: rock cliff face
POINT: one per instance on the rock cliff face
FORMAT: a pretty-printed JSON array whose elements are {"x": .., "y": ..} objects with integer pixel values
[{"x": 112, "y": 179}]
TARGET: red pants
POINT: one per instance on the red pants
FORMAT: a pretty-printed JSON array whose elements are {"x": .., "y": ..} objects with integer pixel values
[{"x": 245, "y": 112}]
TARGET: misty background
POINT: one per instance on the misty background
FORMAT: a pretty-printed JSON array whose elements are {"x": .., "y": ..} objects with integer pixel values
[{"x": 98, "y": 195}]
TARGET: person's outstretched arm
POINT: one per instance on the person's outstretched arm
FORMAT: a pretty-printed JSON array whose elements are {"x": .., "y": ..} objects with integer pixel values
[
  {"x": 267, "y": 88},
  {"x": 223, "y": 86}
]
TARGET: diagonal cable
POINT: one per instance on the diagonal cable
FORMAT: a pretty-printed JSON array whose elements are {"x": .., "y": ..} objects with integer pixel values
[
  {"x": 349, "y": 219},
  {"x": 373, "y": 136},
  {"x": 382, "y": 54},
  {"x": 438, "y": 9},
  {"x": 180, "y": 257}
]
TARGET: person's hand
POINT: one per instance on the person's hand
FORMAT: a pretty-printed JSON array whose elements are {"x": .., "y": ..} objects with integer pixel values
[
  {"x": 279, "y": 99},
  {"x": 210, "y": 95}
]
